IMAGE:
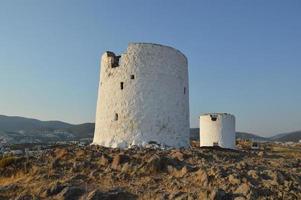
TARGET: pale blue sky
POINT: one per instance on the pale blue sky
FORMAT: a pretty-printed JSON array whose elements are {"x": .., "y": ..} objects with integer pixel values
[{"x": 244, "y": 56}]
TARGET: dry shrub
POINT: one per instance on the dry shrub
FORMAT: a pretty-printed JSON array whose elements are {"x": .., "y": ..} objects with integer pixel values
[{"x": 6, "y": 161}]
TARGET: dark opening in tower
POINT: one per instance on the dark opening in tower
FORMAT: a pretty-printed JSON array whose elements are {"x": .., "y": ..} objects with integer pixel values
[
  {"x": 121, "y": 85},
  {"x": 213, "y": 117},
  {"x": 116, "y": 59}
]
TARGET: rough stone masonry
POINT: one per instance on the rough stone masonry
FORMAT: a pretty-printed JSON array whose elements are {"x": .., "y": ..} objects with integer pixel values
[{"x": 143, "y": 97}]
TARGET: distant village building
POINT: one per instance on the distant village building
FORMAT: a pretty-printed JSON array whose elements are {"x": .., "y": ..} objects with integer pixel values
[
  {"x": 217, "y": 129},
  {"x": 143, "y": 97}
]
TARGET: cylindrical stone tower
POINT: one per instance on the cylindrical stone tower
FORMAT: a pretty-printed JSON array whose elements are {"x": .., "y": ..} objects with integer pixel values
[
  {"x": 217, "y": 129},
  {"x": 143, "y": 97}
]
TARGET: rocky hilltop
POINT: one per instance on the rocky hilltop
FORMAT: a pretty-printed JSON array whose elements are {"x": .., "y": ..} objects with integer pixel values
[{"x": 150, "y": 173}]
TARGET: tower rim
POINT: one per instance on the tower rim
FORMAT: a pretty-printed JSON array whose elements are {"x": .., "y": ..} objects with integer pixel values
[
  {"x": 160, "y": 45},
  {"x": 215, "y": 113}
]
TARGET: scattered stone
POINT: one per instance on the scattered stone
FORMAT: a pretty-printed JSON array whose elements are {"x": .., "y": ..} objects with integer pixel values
[
  {"x": 241, "y": 165},
  {"x": 118, "y": 160},
  {"x": 60, "y": 153},
  {"x": 234, "y": 180},
  {"x": 94, "y": 195},
  {"x": 54, "y": 189},
  {"x": 125, "y": 168},
  {"x": 25, "y": 197},
  {"x": 55, "y": 163},
  {"x": 202, "y": 177},
  {"x": 145, "y": 173},
  {"x": 177, "y": 173},
  {"x": 71, "y": 193},
  {"x": 203, "y": 194},
  {"x": 115, "y": 194},
  {"x": 178, "y": 196},
  {"x": 9, "y": 187},
  {"x": 253, "y": 174},
  {"x": 153, "y": 165},
  {"x": 77, "y": 166},
  {"x": 260, "y": 153},
  {"x": 104, "y": 160},
  {"x": 243, "y": 189},
  {"x": 240, "y": 198},
  {"x": 178, "y": 155},
  {"x": 218, "y": 194}
]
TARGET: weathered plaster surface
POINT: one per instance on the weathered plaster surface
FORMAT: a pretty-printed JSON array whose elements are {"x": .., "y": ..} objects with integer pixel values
[
  {"x": 154, "y": 106},
  {"x": 221, "y": 131}
]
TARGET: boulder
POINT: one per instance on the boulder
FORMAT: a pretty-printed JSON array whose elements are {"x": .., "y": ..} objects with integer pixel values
[
  {"x": 115, "y": 194},
  {"x": 104, "y": 160},
  {"x": 243, "y": 189},
  {"x": 218, "y": 194},
  {"x": 177, "y": 154},
  {"x": 240, "y": 198},
  {"x": 260, "y": 153},
  {"x": 61, "y": 153},
  {"x": 118, "y": 160},
  {"x": 233, "y": 180},
  {"x": 153, "y": 165},
  {"x": 55, "y": 163},
  {"x": 25, "y": 197},
  {"x": 253, "y": 174},
  {"x": 201, "y": 176},
  {"x": 178, "y": 195},
  {"x": 94, "y": 195},
  {"x": 177, "y": 173},
  {"x": 71, "y": 193},
  {"x": 54, "y": 189}
]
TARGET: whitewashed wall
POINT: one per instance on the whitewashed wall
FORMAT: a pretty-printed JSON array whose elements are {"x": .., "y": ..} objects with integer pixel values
[
  {"x": 221, "y": 131},
  {"x": 154, "y": 106}
]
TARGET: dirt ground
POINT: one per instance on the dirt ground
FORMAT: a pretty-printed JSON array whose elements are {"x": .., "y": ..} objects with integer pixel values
[{"x": 93, "y": 172}]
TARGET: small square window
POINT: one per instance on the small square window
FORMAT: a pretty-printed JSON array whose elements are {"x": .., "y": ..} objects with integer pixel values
[
  {"x": 116, "y": 61},
  {"x": 132, "y": 76}
]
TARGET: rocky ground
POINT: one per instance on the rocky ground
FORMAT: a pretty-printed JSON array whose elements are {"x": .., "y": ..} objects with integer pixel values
[{"x": 196, "y": 173}]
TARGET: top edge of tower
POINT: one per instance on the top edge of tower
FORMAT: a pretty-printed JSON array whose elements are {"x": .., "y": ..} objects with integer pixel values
[
  {"x": 159, "y": 45},
  {"x": 218, "y": 113}
]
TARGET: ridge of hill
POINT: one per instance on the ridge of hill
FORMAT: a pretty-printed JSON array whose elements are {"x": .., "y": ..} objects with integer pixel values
[{"x": 20, "y": 129}]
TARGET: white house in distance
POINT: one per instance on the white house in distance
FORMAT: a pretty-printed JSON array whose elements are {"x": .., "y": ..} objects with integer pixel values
[{"x": 217, "y": 129}]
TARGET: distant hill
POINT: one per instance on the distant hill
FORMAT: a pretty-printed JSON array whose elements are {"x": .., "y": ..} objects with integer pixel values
[
  {"x": 22, "y": 130},
  {"x": 282, "y": 137},
  {"x": 250, "y": 136},
  {"x": 27, "y": 130},
  {"x": 194, "y": 134},
  {"x": 82, "y": 130},
  {"x": 288, "y": 137},
  {"x": 278, "y": 136},
  {"x": 8, "y": 123}
]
